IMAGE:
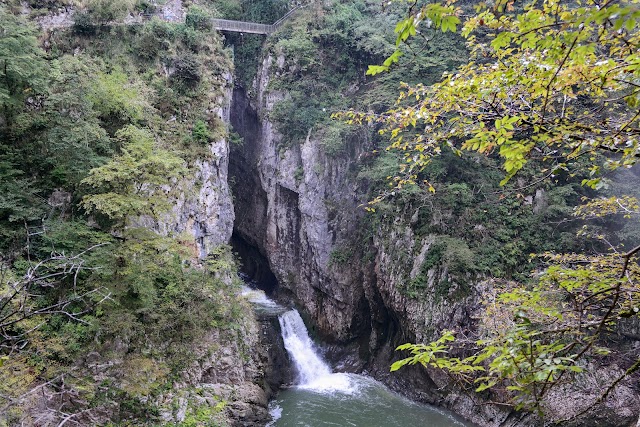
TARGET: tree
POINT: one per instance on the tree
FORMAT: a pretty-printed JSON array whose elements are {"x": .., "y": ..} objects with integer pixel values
[
  {"x": 131, "y": 183},
  {"x": 30, "y": 299},
  {"x": 555, "y": 82},
  {"x": 23, "y": 69}
]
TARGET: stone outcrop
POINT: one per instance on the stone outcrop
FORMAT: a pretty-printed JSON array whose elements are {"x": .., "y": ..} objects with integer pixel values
[
  {"x": 201, "y": 204},
  {"x": 299, "y": 207},
  {"x": 296, "y": 208},
  {"x": 242, "y": 367}
]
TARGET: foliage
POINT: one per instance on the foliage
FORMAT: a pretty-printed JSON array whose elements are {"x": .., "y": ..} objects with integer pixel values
[
  {"x": 235, "y": 138},
  {"x": 340, "y": 256},
  {"x": 99, "y": 115},
  {"x": 197, "y": 18},
  {"x": 83, "y": 24},
  {"x": 27, "y": 299},
  {"x": 333, "y": 138},
  {"x": 204, "y": 416},
  {"x": 116, "y": 99},
  {"x": 491, "y": 229},
  {"x": 344, "y": 37},
  {"x": 549, "y": 88},
  {"x": 201, "y": 132},
  {"x": 158, "y": 304},
  {"x": 228, "y": 9},
  {"x": 247, "y": 48},
  {"x": 104, "y": 11},
  {"x": 187, "y": 71},
  {"x": 438, "y": 16},
  {"x": 155, "y": 38},
  {"x": 522, "y": 95},
  {"x": 19, "y": 201},
  {"x": 22, "y": 65},
  {"x": 131, "y": 183},
  {"x": 68, "y": 128},
  {"x": 536, "y": 336}
]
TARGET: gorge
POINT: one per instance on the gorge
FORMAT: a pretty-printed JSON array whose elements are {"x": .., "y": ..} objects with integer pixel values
[{"x": 147, "y": 159}]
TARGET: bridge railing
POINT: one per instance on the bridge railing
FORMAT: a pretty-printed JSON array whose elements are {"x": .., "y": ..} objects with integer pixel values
[
  {"x": 286, "y": 15},
  {"x": 250, "y": 27},
  {"x": 241, "y": 26}
]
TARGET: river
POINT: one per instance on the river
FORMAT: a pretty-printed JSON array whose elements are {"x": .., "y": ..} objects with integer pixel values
[{"x": 321, "y": 397}]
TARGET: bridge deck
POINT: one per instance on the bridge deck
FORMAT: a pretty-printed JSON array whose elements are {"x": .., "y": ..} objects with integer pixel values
[
  {"x": 242, "y": 27},
  {"x": 250, "y": 27}
]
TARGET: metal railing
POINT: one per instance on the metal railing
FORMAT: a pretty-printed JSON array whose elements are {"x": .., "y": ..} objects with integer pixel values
[
  {"x": 242, "y": 26},
  {"x": 286, "y": 15},
  {"x": 218, "y": 24},
  {"x": 250, "y": 27}
]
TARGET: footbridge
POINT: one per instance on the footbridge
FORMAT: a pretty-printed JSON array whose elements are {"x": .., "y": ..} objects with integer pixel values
[{"x": 250, "y": 27}]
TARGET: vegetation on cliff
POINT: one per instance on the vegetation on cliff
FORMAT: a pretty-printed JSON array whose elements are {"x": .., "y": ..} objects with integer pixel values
[
  {"x": 551, "y": 92},
  {"x": 101, "y": 121},
  {"x": 514, "y": 137},
  {"x": 100, "y": 317}
]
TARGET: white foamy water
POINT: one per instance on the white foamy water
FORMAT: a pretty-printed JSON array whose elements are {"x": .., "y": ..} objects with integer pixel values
[
  {"x": 313, "y": 373},
  {"x": 257, "y": 296},
  {"x": 276, "y": 413},
  {"x": 260, "y": 300}
]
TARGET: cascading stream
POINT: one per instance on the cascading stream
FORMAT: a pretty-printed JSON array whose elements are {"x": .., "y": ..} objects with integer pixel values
[
  {"x": 300, "y": 347},
  {"x": 323, "y": 398},
  {"x": 313, "y": 372}
]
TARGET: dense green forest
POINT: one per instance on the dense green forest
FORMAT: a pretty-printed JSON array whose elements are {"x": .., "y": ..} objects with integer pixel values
[{"x": 97, "y": 120}]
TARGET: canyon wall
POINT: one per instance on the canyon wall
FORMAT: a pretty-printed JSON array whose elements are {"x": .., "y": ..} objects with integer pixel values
[{"x": 300, "y": 208}]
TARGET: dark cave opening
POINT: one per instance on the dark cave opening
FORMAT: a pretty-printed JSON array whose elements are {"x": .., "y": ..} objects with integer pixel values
[{"x": 254, "y": 265}]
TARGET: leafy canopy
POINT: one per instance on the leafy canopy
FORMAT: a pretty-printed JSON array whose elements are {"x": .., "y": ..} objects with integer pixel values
[
  {"x": 23, "y": 68},
  {"x": 125, "y": 185},
  {"x": 556, "y": 82}
]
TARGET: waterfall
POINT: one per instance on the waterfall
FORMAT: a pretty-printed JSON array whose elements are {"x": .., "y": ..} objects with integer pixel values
[
  {"x": 321, "y": 397},
  {"x": 300, "y": 347},
  {"x": 313, "y": 372}
]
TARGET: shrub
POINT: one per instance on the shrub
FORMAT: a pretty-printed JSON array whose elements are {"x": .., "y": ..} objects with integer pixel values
[
  {"x": 83, "y": 24},
  {"x": 340, "y": 256},
  {"x": 154, "y": 38},
  {"x": 197, "y": 18},
  {"x": 200, "y": 132},
  {"x": 333, "y": 138},
  {"x": 187, "y": 71},
  {"x": 146, "y": 6},
  {"x": 104, "y": 11}
]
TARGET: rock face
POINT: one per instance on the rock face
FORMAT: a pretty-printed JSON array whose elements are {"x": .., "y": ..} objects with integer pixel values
[
  {"x": 202, "y": 206},
  {"x": 203, "y": 209},
  {"x": 246, "y": 367},
  {"x": 242, "y": 368},
  {"x": 299, "y": 208},
  {"x": 287, "y": 206}
]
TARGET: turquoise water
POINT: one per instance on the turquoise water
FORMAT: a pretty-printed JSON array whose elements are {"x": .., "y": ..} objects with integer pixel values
[
  {"x": 367, "y": 403},
  {"x": 323, "y": 398}
]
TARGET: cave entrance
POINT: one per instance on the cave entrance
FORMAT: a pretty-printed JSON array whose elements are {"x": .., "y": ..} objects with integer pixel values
[{"x": 254, "y": 266}]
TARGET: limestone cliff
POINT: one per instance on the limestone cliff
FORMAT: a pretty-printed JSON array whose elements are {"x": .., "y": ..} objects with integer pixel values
[
  {"x": 201, "y": 202},
  {"x": 300, "y": 208}
]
